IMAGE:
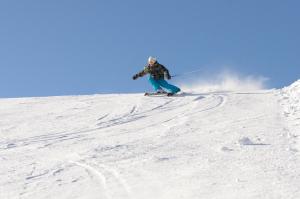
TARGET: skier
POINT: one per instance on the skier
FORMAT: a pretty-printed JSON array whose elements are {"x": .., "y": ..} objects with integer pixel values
[{"x": 157, "y": 75}]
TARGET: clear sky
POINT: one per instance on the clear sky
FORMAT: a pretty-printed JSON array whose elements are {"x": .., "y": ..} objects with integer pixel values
[{"x": 70, "y": 47}]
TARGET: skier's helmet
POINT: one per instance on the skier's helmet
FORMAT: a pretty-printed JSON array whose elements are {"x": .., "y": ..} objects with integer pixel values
[{"x": 152, "y": 60}]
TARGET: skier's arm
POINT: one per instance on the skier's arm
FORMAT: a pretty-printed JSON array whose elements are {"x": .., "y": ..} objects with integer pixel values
[
  {"x": 141, "y": 74},
  {"x": 166, "y": 72}
]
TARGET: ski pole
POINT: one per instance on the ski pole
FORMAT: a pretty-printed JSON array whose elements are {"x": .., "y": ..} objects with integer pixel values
[{"x": 187, "y": 73}]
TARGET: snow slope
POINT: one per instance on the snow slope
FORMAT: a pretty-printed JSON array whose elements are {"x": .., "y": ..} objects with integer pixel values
[
  {"x": 215, "y": 145},
  {"x": 290, "y": 100}
]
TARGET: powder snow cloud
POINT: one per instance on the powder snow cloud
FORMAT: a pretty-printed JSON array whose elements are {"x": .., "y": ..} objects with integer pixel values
[{"x": 226, "y": 80}]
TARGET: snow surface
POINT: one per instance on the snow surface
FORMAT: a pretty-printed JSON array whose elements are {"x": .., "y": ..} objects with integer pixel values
[{"x": 214, "y": 145}]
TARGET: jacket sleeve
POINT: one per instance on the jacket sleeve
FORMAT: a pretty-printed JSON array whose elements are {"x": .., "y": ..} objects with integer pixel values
[
  {"x": 165, "y": 70},
  {"x": 143, "y": 72}
]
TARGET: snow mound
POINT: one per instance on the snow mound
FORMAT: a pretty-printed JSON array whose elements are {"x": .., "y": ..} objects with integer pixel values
[
  {"x": 290, "y": 103},
  {"x": 294, "y": 86},
  {"x": 246, "y": 141},
  {"x": 293, "y": 91},
  {"x": 291, "y": 98}
]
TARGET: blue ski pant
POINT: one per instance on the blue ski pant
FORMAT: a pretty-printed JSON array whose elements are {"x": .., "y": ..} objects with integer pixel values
[{"x": 159, "y": 84}]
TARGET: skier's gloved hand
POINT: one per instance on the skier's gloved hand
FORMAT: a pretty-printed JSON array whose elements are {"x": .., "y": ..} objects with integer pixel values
[
  {"x": 167, "y": 75},
  {"x": 135, "y": 77}
]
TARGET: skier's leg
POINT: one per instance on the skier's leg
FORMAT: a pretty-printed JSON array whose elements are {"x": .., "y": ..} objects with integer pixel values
[
  {"x": 173, "y": 89},
  {"x": 154, "y": 84}
]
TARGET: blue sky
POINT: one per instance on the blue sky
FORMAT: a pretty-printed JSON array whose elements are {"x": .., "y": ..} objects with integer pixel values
[{"x": 71, "y": 47}]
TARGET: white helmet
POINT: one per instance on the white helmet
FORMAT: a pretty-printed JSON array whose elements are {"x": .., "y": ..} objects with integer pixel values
[{"x": 152, "y": 59}]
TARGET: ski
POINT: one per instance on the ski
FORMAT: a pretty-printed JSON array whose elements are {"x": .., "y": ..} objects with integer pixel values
[{"x": 165, "y": 94}]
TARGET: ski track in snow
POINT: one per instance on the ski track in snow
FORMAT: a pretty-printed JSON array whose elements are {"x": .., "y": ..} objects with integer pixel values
[
  {"x": 106, "y": 174},
  {"x": 99, "y": 174},
  {"x": 53, "y": 138}
]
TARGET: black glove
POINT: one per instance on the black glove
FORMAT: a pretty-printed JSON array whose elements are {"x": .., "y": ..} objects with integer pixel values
[
  {"x": 135, "y": 77},
  {"x": 168, "y": 76}
]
